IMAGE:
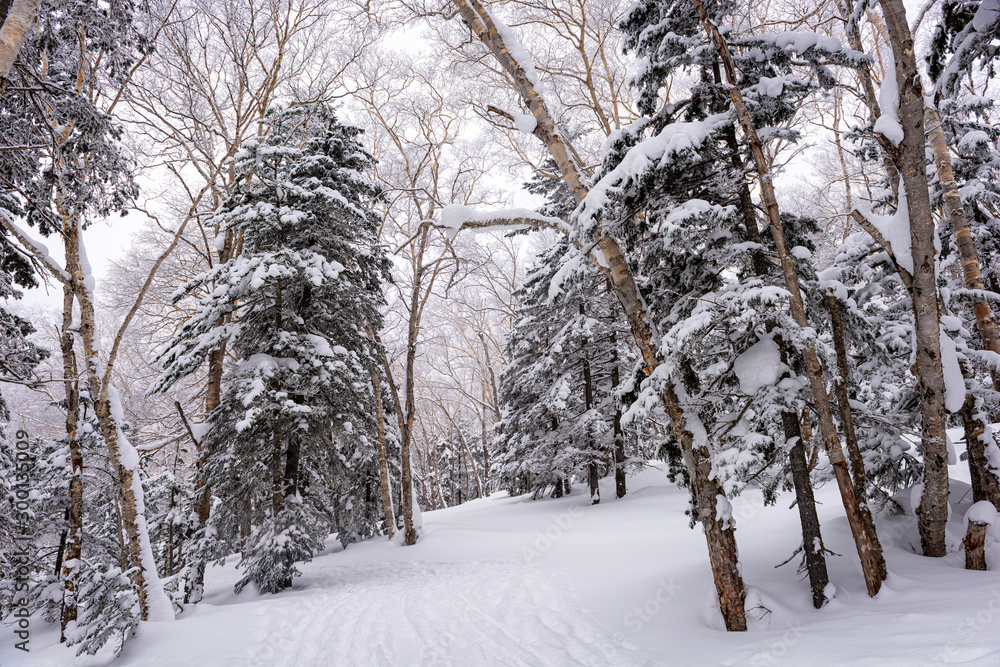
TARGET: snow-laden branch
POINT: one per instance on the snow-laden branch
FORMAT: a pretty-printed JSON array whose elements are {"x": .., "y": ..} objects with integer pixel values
[
  {"x": 33, "y": 248},
  {"x": 973, "y": 41},
  {"x": 455, "y": 218},
  {"x": 673, "y": 141},
  {"x": 866, "y": 223}
]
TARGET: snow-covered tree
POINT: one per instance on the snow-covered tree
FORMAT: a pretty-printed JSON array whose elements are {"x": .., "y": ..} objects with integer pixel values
[
  {"x": 556, "y": 392},
  {"x": 294, "y": 431}
]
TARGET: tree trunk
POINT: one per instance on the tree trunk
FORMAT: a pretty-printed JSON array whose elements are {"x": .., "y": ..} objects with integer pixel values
[
  {"x": 486, "y": 451},
  {"x": 986, "y": 320},
  {"x": 203, "y": 491},
  {"x": 451, "y": 479},
  {"x": 985, "y": 485},
  {"x": 406, "y": 475},
  {"x": 16, "y": 26},
  {"x": 975, "y": 546},
  {"x": 862, "y": 537},
  {"x": 292, "y": 455},
  {"x": 277, "y": 479},
  {"x": 719, "y": 534},
  {"x": 858, "y": 473},
  {"x": 593, "y": 475},
  {"x": 619, "y": 437},
  {"x": 74, "y": 513},
  {"x": 383, "y": 466},
  {"x": 468, "y": 452},
  {"x": 812, "y": 541},
  {"x": 137, "y": 546},
  {"x": 932, "y": 512}
]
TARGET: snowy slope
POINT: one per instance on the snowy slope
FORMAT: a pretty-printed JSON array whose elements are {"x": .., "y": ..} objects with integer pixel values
[{"x": 509, "y": 581}]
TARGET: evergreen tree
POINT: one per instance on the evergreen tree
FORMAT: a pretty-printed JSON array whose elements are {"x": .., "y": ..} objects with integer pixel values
[
  {"x": 293, "y": 441},
  {"x": 558, "y": 402}
]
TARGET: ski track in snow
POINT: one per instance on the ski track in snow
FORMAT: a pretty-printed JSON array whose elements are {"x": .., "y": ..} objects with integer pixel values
[
  {"x": 556, "y": 582},
  {"x": 405, "y": 613}
]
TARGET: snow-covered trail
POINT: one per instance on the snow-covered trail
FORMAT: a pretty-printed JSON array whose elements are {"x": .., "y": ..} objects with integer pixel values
[{"x": 509, "y": 581}]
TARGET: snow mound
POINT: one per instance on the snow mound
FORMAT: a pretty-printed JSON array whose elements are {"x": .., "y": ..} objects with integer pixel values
[{"x": 759, "y": 367}]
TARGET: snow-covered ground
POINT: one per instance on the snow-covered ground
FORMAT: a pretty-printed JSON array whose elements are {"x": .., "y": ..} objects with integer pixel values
[{"x": 510, "y": 581}]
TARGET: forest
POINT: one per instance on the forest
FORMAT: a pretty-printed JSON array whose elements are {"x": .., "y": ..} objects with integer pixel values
[{"x": 486, "y": 296}]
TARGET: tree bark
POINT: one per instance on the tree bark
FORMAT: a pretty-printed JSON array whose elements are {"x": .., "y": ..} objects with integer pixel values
[
  {"x": 812, "y": 541},
  {"x": 486, "y": 451},
  {"x": 136, "y": 541},
  {"x": 985, "y": 485},
  {"x": 858, "y": 473},
  {"x": 619, "y": 437},
  {"x": 383, "y": 466},
  {"x": 975, "y": 546},
  {"x": 593, "y": 474},
  {"x": 277, "y": 479},
  {"x": 862, "y": 537},
  {"x": 412, "y": 331},
  {"x": 986, "y": 321},
  {"x": 74, "y": 513},
  {"x": 932, "y": 512},
  {"x": 16, "y": 26},
  {"x": 719, "y": 534},
  {"x": 203, "y": 491}
]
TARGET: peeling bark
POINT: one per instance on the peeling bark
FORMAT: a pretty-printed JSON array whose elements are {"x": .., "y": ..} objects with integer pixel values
[
  {"x": 986, "y": 321},
  {"x": 16, "y": 26},
  {"x": 975, "y": 546}
]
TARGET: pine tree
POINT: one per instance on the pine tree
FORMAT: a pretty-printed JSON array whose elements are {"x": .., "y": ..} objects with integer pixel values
[
  {"x": 557, "y": 398},
  {"x": 293, "y": 430}
]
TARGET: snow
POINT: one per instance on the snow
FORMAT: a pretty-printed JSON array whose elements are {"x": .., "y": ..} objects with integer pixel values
[
  {"x": 570, "y": 266},
  {"x": 888, "y": 98},
  {"x": 509, "y": 581},
  {"x": 973, "y": 140},
  {"x": 801, "y": 252},
  {"x": 723, "y": 510},
  {"x": 802, "y": 41},
  {"x": 88, "y": 273},
  {"x": 896, "y": 230},
  {"x": 516, "y": 50},
  {"x": 525, "y": 122},
  {"x": 759, "y": 367},
  {"x": 674, "y": 139},
  {"x": 954, "y": 383},
  {"x": 982, "y": 512},
  {"x": 455, "y": 216}
]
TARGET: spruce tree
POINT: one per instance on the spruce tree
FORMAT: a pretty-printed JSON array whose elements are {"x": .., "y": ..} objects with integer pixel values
[
  {"x": 292, "y": 445},
  {"x": 556, "y": 392}
]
